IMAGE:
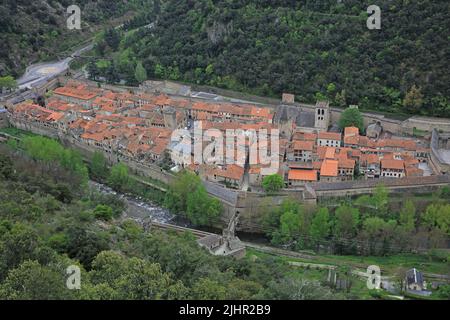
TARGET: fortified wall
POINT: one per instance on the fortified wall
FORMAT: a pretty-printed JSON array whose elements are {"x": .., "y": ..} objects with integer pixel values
[
  {"x": 440, "y": 151},
  {"x": 395, "y": 126},
  {"x": 251, "y": 206}
]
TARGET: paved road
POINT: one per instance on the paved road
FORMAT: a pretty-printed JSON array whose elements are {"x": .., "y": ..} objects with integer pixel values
[
  {"x": 39, "y": 72},
  {"x": 219, "y": 98}
]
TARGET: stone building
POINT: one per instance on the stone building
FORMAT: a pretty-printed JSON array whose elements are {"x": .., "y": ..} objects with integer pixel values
[
  {"x": 322, "y": 116},
  {"x": 374, "y": 130},
  {"x": 440, "y": 151},
  {"x": 414, "y": 280},
  {"x": 329, "y": 139},
  {"x": 392, "y": 168},
  {"x": 288, "y": 98},
  {"x": 301, "y": 151},
  {"x": 290, "y": 118}
]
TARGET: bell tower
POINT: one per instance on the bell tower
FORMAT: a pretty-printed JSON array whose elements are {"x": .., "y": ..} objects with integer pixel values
[{"x": 322, "y": 115}]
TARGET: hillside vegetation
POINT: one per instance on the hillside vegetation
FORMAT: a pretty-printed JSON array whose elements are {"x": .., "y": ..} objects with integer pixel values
[
  {"x": 314, "y": 49},
  {"x": 35, "y": 30},
  {"x": 50, "y": 219}
]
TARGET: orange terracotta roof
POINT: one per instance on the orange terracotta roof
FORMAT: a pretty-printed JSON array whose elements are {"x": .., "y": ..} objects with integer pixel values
[
  {"x": 355, "y": 153},
  {"x": 393, "y": 164},
  {"x": 367, "y": 159},
  {"x": 79, "y": 93},
  {"x": 302, "y": 175},
  {"x": 303, "y": 145},
  {"x": 330, "y": 136},
  {"x": 232, "y": 171},
  {"x": 254, "y": 170},
  {"x": 301, "y": 165},
  {"x": 55, "y": 116},
  {"x": 411, "y": 162},
  {"x": 397, "y": 143},
  {"x": 351, "y": 131},
  {"x": 317, "y": 165},
  {"x": 93, "y": 136},
  {"x": 414, "y": 172},
  {"x": 306, "y": 136},
  {"x": 347, "y": 163},
  {"x": 330, "y": 153},
  {"x": 329, "y": 168},
  {"x": 352, "y": 140}
]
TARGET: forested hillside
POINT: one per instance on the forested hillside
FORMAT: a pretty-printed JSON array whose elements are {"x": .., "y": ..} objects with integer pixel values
[
  {"x": 50, "y": 219},
  {"x": 34, "y": 30},
  {"x": 311, "y": 48}
]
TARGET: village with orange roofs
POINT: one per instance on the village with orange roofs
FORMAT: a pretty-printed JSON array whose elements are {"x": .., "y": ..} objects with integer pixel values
[{"x": 139, "y": 124}]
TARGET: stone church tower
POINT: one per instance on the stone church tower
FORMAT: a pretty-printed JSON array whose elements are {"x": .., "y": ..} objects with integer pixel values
[
  {"x": 322, "y": 116},
  {"x": 170, "y": 117}
]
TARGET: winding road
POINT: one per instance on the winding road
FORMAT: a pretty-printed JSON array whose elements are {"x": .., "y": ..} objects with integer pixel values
[{"x": 40, "y": 72}]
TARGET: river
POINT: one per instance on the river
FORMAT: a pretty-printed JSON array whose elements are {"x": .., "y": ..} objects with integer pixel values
[{"x": 139, "y": 209}]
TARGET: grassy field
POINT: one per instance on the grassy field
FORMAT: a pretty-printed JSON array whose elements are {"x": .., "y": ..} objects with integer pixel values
[
  {"x": 358, "y": 288},
  {"x": 17, "y": 132},
  {"x": 389, "y": 264}
]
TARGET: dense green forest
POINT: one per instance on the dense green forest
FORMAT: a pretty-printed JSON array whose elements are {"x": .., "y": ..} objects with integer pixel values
[
  {"x": 310, "y": 48},
  {"x": 36, "y": 30}
]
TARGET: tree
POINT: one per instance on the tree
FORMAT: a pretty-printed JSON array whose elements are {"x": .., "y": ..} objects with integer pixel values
[
  {"x": 208, "y": 289},
  {"x": 157, "y": 6},
  {"x": 341, "y": 99},
  {"x": 201, "y": 208},
  {"x": 73, "y": 161},
  {"x": 185, "y": 183},
  {"x": 18, "y": 243},
  {"x": 413, "y": 100},
  {"x": 140, "y": 73},
  {"x": 273, "y": 183},
  {"x": 8, "y": 83},
  {"x": 331, "y": 88},
  {"x": 84, "y": 245},
  {"x": 438, "y": 216},
  {"x": 443, "y": 292},
  {"x": 119, "y": 177},
  {"x": 49, "y": 150},
  {"x": 296, "y": 289},
  {"x": 33, "y": 281},
  {"x": 351, "y": 117},
  {"x": 347, "y": 220},
  {"x": 239, "y": 289},
  {"x": 381, "y": 199},
  {"x": 112, "y": 38},
  {"x": 99, "y": 167},
  {"x": 408, "y": 216},
  {"x": 379, "y": 233},
  {"x": 160, "y": 71},
  {"x": 444, "y": 193},
  {"x": 111, "y": 74},
  {"x": 103, "y": 212},
  {"x": 134, "y": 278},
  {"x": 289, "y": 227},
  {"x": 6, "y": 167},
  {"x": 93, "y": 70},
  {"x": 320, "y": 226}
]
